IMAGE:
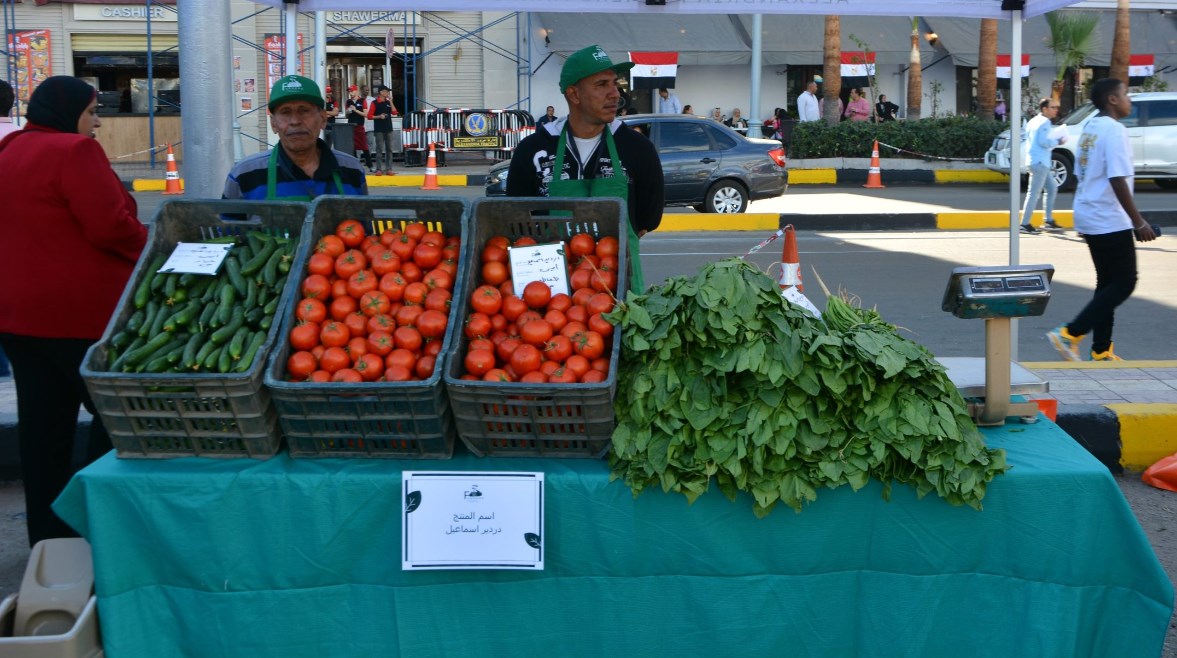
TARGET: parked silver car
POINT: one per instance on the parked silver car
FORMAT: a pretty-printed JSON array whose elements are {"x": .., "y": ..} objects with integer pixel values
[
  {"x": 1152, "y": 130},
  {"x": 705, "y": 164}
]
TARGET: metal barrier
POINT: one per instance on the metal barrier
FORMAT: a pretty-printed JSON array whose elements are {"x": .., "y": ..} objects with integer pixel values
[{"x": 495, "y": 132}]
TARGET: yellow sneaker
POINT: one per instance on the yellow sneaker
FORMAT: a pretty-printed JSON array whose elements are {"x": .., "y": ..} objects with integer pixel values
[
  {"x": 1105, "y": 356},
  {"x": 1066, "y": 344}
]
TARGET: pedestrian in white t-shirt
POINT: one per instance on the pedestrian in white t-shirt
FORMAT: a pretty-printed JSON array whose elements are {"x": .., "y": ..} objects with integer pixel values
[
  {"x": 1106, "y": 215},
  {"x": 1040, "y": 136}
]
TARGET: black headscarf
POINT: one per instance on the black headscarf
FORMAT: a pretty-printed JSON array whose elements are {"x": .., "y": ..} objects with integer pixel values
[{"x": 59, "y": 101}]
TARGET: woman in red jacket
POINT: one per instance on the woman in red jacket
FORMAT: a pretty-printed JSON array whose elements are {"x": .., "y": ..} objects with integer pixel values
[{"x": 70, "y": 236}]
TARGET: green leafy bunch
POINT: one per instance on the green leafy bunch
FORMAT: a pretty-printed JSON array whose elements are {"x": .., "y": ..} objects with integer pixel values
[{"x": 721, "y": 377}]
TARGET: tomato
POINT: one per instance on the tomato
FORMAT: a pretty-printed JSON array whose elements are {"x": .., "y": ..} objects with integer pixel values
[
  {"x": 406, "y": 316},
  {"x": 407, "y": 338},
  {"x": 374, "y": 303},
  {"x": 439, "y": 299},
  {"x": 497, "y": 375},
  {"x": 310, "y": 309},
  {"x": 338, "y": 287},
  {"x": 449, "y": 266},
  {"x": 398, "y": 374},
  {"x": 581, "y": 296},
  {"x": 573, "y": 327},
  {"x": 525, "y": 241},
  {"x": 335, "y": 359},
  {"x": 362, "y": 282},
  {"x": 558, "y": 348},
  {"x": 384, "y": 262},
  {"x": 578, "y": 365},
  {"x": 350, "y": 262},
  {"x": 380, "y": 342},
  {"x": 590, "y": 345},
  {"x": 341, "y": 307},
  {"x": 525, "y": 358},
  {"x": 498, "y": 241},
  {"x": 432, "y": 347},
  {"x": 373, "y": 250},
  {"x": 601, "y": 302},
  {"x": 434, "y": 238},
  {"x": 556, "y": 319},
  {"x": 507, "y": 288},
  {"x": 351, "y": 231},
  {"x": 582, "y": 244},
  {"x": 537, "y": 332},
  {"x": 481, "y": 344},
  {"x": 525, "y": 317},
  {"x": 334, "y": 334},
  {"x": 534, "y": 377},
  {"x": 607, "y": 246},
  {"x": 494, "y": 273},
  {"x": 580, "y": 279},
  {"x": 393, "y": 285},
  {"x": 411, "y": 271},
  {"x": 479, "y": 362},
  {"x": 357, "y": 324},
  {"x": 439, "y": 278},
  {"x": 486, "y": 299},
  {"x": 493, "y": 253},
  {"x": 609, "y": 263},
  {"x": 316, "y": 286},
  {"x": 426, "y": 256},
  {"x": 301, "y": 364},
  {"x": 416, "y": 230},
  {"x": 320, "y": 263},
  {"x": 304, "y": 335},
  {"x": 432, "y": 324},
  {"x": 403, "y": 247},
  {"x": 559, "y": 302},
  {"x": 589, "y": 262},
  {"x": 513, "y": 307},
  {"x": 425, "y": 366},
  {"x": 603, "y": 280},
  {"x": 505, "y": 349},
  {"x": 330, "y": 245},
  {"x": 593, "y": 377},
  {"x": 601, "y": 364},
  {"x": 370, "y": 367},
  {"x": 347, "y": 376},
  {"x": 562, "y": 376},
  {"x": 388, "y": 235},
  {"x": 400, "y": 358},
  {"x": 548, "y": 367},
  {"x": 498, "y": 323},
  {"x": 318, "y": 349},
  {"x": 599, "y": 324},
  {"x": 478, "y": 325},
  {"x": 537, "y": 294},
  {"x": 356, "y": 347},
  {"x": 381, "y": 322},
  {"x": 319, "y": 376}
]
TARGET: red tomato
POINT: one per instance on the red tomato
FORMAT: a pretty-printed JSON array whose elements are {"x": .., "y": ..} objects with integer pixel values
[
  {"x": 548, "y": 367},
  {"x": 416, "y": 230},
  {"x": 335, "y": 359},
  {"x": 593, "y": 377},
  {"x": 350, "y": 262},
  {"x": 439, "y": 299},
  {"x": 415, "y": 293},
  {"x": 400, "y": 358},
  {"x": 494, "y": 253},
  {"x": 582, "y": 244},
  {"x": 338, "y": 287},
  {"x": 320, "y": 263},
  {"x": 432, "y": 347},
  {"x": 600, "y": 325},
  {"x": 425, "y": 365},
  {"x": 577, "y": 313},
  {"x": 334, "y": 334},
  {"x": 362, "y": 282},
  {"x": 477, "y": 326},
  {"x": 601, "y": 302},
  {"x": 411, "y": 271},
  {"x": 357, "y": 324},
  {"x": 438, "y": 278},
  {"x": 525, "y": 317},
  {"x": 558, "y": 349},
  {"x": 498, "y": 323},
  {"x": 432, "y": 324},
  {"x": 393, "y": 285},
  {"x": 319, "y": 376},
  {"x": 513, "y": 307},
  {"x": 407, "y": 338},
  {"x": 384, "y": 262},
  {"x": 398, "y": 374},
  {"x": 534, "y": 377},
  {"x": 581, "y": 296},
  {"x": 498, "y": 241},
  {"x": 537, "y": 294},
  {"x": 525, "y": 358},
  {"x": 578, "y": 365},
  {"x": 316, "y": 286},
  {"x": 559, "y": 302},
  {"x": 556, "y": 318},
  {"x": 536, "y": 332},
  {"x": 573, "y": 328},
  {"x": 505, "y": 349},
  {"x": 356, "y": 347},
  {"x": 301, "y": 364},
  {"x": 380, "y": 343},
  {"x": 603, "y": 280},
  {"x": 426, "y": 256},
  {"x": 434, "y": 238},
  {"x": 351, "y": 231},
  {"x": 310, "y": 309},
  {"x": 580, "y": 278},
  {"x": 370, "y": 367},
  {"x": 589, "y": 262},
  {"x": 407, "y": 316},
  {"x": 388, "y": 236},
  {"x": 562, "y": 376},
  {"x": 590, "y": 345},
  {"x": 607, "y": 246},
  {"x": 479, "y": 362},
  {"x": 601, "y": 364},
  {"x": 341, "y": 307},
  {"x": 525, "y": 241},
  {"x": 403, "y": 247},
  {"x": 481, "y": 344},
  {"x": 381, "y": 322},
  {"x": 494, "y": 273},
  {"x": 304, "y": 335},
  {"x": 497, "y": 375},
  {"x": 371, "y": 251},
  {"x": 330, "y": 245},
  {"x": 347, "y": 375},
  {"x": 374, "y": 303},
  {"x": 486, "y": 299}
]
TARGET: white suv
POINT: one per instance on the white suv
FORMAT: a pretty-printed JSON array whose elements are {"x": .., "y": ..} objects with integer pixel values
[{"x": 1152, "y": 131}]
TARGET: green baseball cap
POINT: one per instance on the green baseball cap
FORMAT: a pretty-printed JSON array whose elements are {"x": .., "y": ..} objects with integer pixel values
[
  {"x": 588, "y": 61},
  {"x": 295, "y": 88}
]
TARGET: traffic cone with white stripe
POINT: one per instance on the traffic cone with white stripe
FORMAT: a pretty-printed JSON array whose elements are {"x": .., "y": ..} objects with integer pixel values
[
  {"x": 874, "y": 179},
  {"x": 431, "y": 171},
  {"x": 791, "y": 262},
  {"x": 172, "y": 176}
]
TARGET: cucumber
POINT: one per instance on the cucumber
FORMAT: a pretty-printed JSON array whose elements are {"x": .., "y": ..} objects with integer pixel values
[
  {"x": 237, "y": 343},
  {"x": 135, "y": 321},
  {"x": 203, "y": 353},
  {"x": 255, "y": 264},
  {"x": 270, "y": 271},
  {"x": 224, "y": 239},
  {"x": 157, "y": 322},
  {"x": 251, "y": 295},
  {"x": 233, "y": 269},
  {"x": 206, "y": 316},
  {"x": 224, "y": 361},
  {"x": 191, "y": 349},
  {"x": 226, "y": 332},
  {"x": 143, "y": 292},
  {"x": 182, "y": 317},
  {"x": 148, "y": 319},
  {"x": 122, "y": 339},
  {"x": 287, "y": 259},
  {"x": 255, "y": 343},
  {"x": 187, "y": 279},
  {"x": 266, "y": 323},
  {"x": 153, "y": 345},
  {"x": 178, "y": 297},
  {"x": 169, "y": 285},
  {"x": 254, "y": 315},
  {"x": 164, "y": 358},
  {"x": 210, "y": 361},
  {"x": 228, "y": 296}
]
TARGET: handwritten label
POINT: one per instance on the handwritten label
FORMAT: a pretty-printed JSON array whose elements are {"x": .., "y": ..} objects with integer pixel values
[
  {"x": 539, "y": 262},
  {"x": 196, "y": 258},
  {"x": 472, "y": 520}
]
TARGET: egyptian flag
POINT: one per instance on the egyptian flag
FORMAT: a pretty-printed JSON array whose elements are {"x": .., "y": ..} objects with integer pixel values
[
  {"x": 1005, "y": 71},
  {"x": 1139, "y": 68},
  {"x": 653, "y": 70},
  {"x": 857, "y": 67}
]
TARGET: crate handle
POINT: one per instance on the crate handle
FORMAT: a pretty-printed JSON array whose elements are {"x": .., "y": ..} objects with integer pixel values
[{"x": 353, "y": 398}]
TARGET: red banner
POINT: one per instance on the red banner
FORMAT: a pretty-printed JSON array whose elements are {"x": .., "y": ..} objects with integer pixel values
[
  {"x": 275, "y": 46},
  {"x": 33, "y": 63}
]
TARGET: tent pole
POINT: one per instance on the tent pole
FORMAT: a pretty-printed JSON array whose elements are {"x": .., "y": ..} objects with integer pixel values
[
  {"x": 206, "y": 67},
  {"x": 754, "y": 102},
  {"x": 291, "y": 13},
  {"x": 1015, "y": 154},
  {"x": 320, "y": 75}
]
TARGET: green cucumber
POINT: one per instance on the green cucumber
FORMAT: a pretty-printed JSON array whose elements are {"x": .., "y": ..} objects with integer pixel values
[
  {"x": 255, "y": 343},
  {"x": 153, "y": 345},
  {"x": 224, "y": 361},
  {"x": 143, "y": 292},
  {"x": 122, "y": 339},
  {"x": 202, "y": 354},
  {"x": 226, "y": 332},
  {"x": 255, "y": 264},
  {"x": 182, "y": 317},
  {"x": 224, "y": 239},
  {"x": 228, "y": 296},
  {"x": 237, "y": 343},
  {"x": 233, "y": 269},
  {"x": 135, "y": 321},
  {"x": 206, "y": 316},
  {"x": 170, "y": 284},
  {"x": 251, "y": 295},
  {"x": 157, "y": 322},
  {"x": 214, "y": 355},
  {"x": 191, "y": 349},
  {"x": 144, "y": 329}
]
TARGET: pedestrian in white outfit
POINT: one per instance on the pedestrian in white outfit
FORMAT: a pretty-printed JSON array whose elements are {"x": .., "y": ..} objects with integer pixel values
[
  {"x": 807, "y": 107},
  {"x": 1042, "y": 142}
]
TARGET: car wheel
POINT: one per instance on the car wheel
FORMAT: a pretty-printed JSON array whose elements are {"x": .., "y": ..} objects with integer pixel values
[
  {"x": 726, "y": 197},
  {"x": 1061, "y": 169},
  {"x": 1166, "y": 183},
  {"x": 699, "y": 207}
]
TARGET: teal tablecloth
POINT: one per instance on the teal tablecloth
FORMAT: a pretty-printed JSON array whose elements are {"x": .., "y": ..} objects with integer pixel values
[{"x": 200, "y": 557}]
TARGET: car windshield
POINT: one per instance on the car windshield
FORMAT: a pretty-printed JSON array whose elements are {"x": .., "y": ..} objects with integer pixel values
[{"x": 1078, "y": 114}]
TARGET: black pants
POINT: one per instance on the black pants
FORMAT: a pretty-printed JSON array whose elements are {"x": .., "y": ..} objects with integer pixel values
[
  {"x": 1114, "y": 256},
  {"x": 49, "y": 389}
]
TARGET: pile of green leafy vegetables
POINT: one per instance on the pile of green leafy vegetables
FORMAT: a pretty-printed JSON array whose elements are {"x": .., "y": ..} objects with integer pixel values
[{"x": 722, "y": 378}]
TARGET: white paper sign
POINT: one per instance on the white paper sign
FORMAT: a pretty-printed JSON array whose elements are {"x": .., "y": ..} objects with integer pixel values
[
  {"x": 472, "y": 520},
  {"x": 539, "y": 262},
  {"x": 197, "y": 258}
]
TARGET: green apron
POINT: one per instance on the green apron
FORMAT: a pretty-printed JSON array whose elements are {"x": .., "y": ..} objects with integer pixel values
[
  {"x": 617, "y": 186},
  {"x": 272, "y": 181}
]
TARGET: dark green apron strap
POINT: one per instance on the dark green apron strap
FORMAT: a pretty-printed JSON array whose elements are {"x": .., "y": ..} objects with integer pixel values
[{"x": 272, "y": 181}]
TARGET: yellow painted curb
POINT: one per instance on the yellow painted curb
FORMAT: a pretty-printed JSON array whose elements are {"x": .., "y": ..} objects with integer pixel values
[
  {"x": 713, "y": 222},
  {"x": 813, "y": 176},
  {"x": 993, "y": 219},
  {"x": 969, "y": 176},
  {"x": 1079, "y": 365},
  {"x": 1146, "y": 433},
  {"x": 416, "y": 180},
  {"x": 151, "y": 185}
]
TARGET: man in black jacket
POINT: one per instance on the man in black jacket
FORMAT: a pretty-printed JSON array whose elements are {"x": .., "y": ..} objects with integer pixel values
[{"x": 589, "y": 83}]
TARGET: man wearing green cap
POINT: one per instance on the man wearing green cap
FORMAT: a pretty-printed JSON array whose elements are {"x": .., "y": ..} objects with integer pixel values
[
  {"x": 302, "y": 166},
  {"x": 595, "y": 154}
]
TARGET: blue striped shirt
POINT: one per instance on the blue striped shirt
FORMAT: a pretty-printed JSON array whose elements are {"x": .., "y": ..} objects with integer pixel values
[{"x": 249, "y": 177}]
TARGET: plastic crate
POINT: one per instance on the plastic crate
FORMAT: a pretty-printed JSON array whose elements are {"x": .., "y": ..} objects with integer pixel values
[
  {"x": 536, "y": 420},
  {"x": 198, "y": 414},
  {"x": 395, "y": 420}
]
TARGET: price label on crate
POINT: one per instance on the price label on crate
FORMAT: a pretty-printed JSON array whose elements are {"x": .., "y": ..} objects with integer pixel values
[
  {"x": 197, "y": 258},
  {"x": 539, "y": 262},
  {"x": 472, "y": 520}
]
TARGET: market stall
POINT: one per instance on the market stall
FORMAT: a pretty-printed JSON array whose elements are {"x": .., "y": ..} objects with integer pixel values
[{"x": 302, "y": 558}]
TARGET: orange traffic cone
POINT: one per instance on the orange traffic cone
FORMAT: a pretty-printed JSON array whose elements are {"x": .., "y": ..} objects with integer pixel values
[
  {"x": 791, "y": 262},
  {"x": 431, "y": 171},
  {"x": 874, "y": 179},
  {"x": 172, "y": 177}
]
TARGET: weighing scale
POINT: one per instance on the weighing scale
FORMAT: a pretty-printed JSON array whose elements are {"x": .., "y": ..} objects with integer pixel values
[{"x": 996, "y": 294}]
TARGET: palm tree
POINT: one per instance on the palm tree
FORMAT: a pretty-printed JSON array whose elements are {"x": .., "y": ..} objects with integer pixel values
[
  {"x": 1073, "y": 39},
  {"x": 987, "y": 70},
  {"x": 832, "y": 69},
  {"x": 1121, "y": 47},
  {"x": 915, "y": 80}
]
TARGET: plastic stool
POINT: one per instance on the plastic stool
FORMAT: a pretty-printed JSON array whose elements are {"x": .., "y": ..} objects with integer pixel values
[
  {"x": 57, "y": 585},
  {"x": 82, "y": 641}
]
